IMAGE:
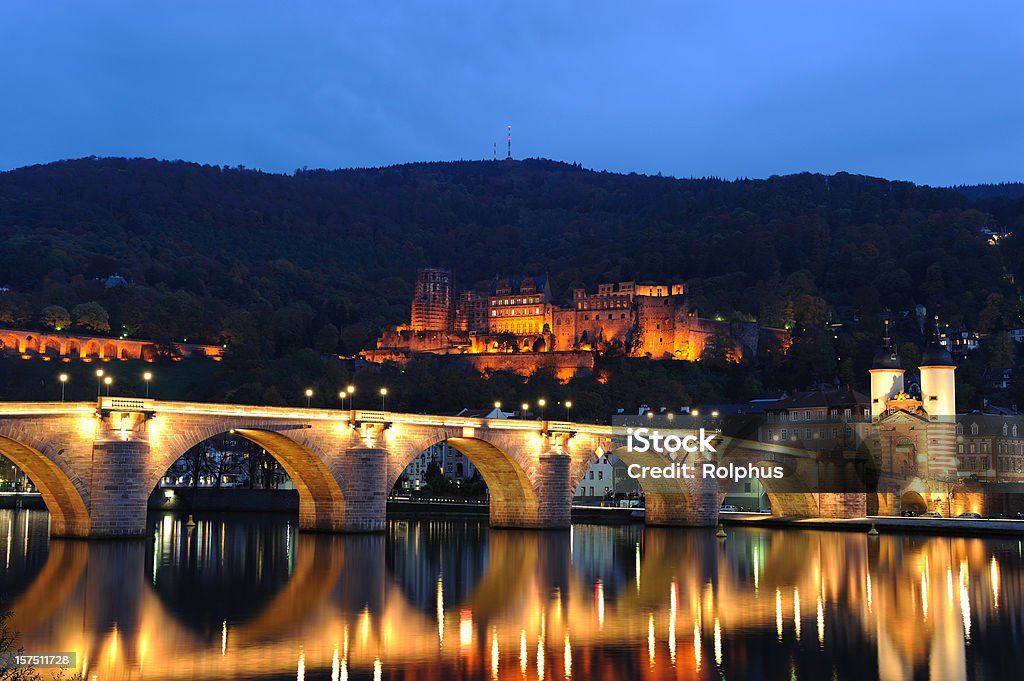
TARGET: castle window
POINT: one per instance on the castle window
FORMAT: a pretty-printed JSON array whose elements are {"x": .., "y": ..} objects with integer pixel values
[
  {"x": 623, "y": 316},
  {"x": 974, "y": 429}
]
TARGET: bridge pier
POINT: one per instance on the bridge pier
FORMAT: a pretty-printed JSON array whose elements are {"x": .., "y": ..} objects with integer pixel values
[
  {"x": 365, "y": 474},
  {"x": 690, "y": 503},
  {"x": 118, "y": 497},
  {"x": 554, "y": 492},
  {"x": 547, "y": 504},
  {"x": 842, "y": 504}
]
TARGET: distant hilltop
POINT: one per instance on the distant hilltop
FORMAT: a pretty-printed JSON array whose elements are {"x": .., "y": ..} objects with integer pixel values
[{"x": 326, "y": 259}]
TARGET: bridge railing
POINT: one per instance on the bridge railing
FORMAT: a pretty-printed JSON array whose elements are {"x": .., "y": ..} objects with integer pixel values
[{"x": 125, "y": 404}]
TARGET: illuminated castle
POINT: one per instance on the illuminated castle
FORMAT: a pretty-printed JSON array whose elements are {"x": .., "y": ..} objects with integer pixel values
[{"x": 518, "y": 315}]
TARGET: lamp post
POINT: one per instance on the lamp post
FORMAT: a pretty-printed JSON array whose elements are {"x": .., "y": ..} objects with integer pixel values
[
  {"x": 309, "y": 394},
  {"x": 99, "y": 381},
  {"x": 383, "y": 394},
  {"x": 525, "y": 408},
  {"x": 497, "y": 406},
  {"x": 542, "y": 403},
  {"x": 568, "y": 406},
  {"x": 351, "y": 400},
  {"x": 342, "y": 396},
  {"x": 147, "y": 377},
  {"x": 107, "y": 381},
  {"x": 63, "y": 382}
]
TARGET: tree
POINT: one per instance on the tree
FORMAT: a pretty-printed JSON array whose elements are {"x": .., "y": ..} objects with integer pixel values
[
  {"x": 1000, "y": 351},
  {"x": 507, "y": 341},
  {"x": 326, "y": 341},
  {"x": 190, "y": 466},
  {"x": 14, "y": 309},
  {"x": 55, "y": 317},
  {"x": 91, "y": 316}
]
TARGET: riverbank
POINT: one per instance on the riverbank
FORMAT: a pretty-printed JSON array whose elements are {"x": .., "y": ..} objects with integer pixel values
[
  {"x": 205, "y": 500},
  {"x": 22, "y": 500},
  {"x": 884, "y": 524}
]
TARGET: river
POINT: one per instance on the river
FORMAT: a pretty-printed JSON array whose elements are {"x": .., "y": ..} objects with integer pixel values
[{"x": 251, "y": 597}]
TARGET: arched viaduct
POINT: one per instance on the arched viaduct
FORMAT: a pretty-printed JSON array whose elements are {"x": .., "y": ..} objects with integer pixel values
[{"x": 96, "y": 464}]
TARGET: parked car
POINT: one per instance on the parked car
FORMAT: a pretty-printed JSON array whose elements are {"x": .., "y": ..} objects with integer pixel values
[
  {"x": 730, "y": 508},
  {"x": 931, "y": 514},
  {"x": 969, "y": 516},
  {"x": 998, "y": 516},
  {"x": 909, "y": 514}
]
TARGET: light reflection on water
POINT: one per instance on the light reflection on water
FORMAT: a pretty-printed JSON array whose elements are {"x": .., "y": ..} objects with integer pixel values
[{"x": 244, "y": 597}]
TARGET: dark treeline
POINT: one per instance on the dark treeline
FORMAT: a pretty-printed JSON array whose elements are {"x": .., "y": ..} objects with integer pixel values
[{"x": 319, "y": 261}]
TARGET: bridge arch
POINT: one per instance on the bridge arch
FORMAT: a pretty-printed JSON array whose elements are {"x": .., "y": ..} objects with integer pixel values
[
  {"x": 73, "y": 348},
  {"x": 321, "y": 501},
  {"x": 790, "y": 496},
  {"x": 51, "y": 347},
  {"x": 69, "y": 515},
  {"x": 504, "y": 466}
]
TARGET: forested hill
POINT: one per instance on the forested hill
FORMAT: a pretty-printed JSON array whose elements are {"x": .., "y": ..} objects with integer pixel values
[
  {"x": 279, "y": 261},
  {"x": 1008, "y": 190}
]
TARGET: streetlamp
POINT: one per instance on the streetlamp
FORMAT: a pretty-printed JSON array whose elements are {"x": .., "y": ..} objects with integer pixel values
[
  {"x": 99, "y": 381},
  {"x": 542, "y": 402},
  {"x": 497, "y": 406},
  {"x": 342, "y": 396},
  {"x": 568, "y": 406},
  {"x": 63, "y": 382},
  {"x": 147, "y": 377},
  {"x": 525, "y": 407},
  {"x": 351, "y": 401},
  {"x": 383, "y": 394},
  {"x": 309, "y": 394},
  {"x": 107, "y": 381}
]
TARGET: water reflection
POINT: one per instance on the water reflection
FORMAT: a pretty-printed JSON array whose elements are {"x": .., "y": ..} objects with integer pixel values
[{"x": 239, "y": 598}]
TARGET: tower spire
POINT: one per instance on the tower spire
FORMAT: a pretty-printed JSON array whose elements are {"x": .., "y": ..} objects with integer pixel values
[{"x": 509, "y": 157}]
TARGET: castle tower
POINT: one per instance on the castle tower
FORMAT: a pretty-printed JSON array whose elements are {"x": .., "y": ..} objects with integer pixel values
[
  {"x": 886, "y": 375},
  {"x": 938, "y": 397},
  {"x": 432, "y": 303}
]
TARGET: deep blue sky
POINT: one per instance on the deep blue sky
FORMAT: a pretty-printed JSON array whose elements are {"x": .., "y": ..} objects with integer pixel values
[{"x": 926, "y": 91}]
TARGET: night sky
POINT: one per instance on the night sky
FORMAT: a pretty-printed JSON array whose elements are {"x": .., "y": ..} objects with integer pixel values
[{"x": 924, "y": 91}]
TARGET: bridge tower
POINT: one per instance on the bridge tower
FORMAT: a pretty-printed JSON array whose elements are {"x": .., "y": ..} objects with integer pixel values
[
  {"x": 938, "y": 395},
  {"x": 886, "y": 375}
]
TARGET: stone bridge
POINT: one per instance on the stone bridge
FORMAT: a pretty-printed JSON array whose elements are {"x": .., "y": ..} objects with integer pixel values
[{"x": 96, "y": 464}]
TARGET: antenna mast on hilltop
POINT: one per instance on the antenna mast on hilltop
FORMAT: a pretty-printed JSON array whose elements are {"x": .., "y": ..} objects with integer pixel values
[
  {"x": 495, "y": 151},
  {"x": 509, "y": 157}
]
